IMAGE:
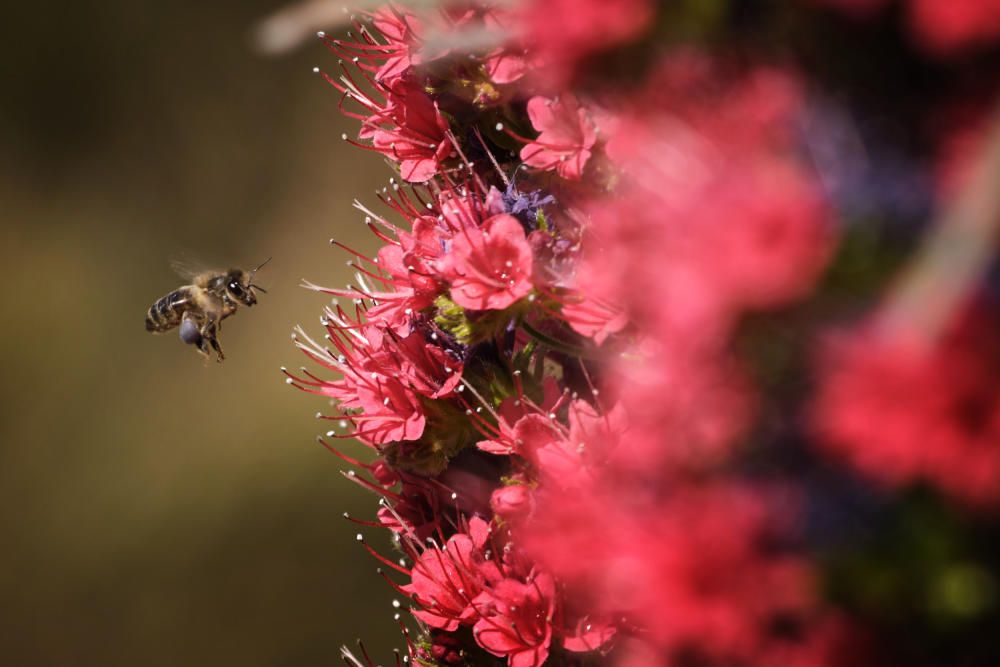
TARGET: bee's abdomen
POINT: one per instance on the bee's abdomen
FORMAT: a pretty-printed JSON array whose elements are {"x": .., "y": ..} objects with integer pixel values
[{"x": 167, "y": 311}]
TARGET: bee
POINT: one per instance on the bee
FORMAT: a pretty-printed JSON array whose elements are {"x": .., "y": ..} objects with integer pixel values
[{"x": 199, "y": 308}]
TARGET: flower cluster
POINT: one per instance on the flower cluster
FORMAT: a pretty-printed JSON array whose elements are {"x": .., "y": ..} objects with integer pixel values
[
  {"x": 868, "y": 411},
  {"x": 563, "y": 354}
]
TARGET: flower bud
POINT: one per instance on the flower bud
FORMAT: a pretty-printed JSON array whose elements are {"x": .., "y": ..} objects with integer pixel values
[{"x": 512, "y": 502}]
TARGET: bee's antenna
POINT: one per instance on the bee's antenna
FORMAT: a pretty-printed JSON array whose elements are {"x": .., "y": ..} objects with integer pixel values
[
  {"x": 258, "y": 267},
  {"x": 255, "y": 269}
]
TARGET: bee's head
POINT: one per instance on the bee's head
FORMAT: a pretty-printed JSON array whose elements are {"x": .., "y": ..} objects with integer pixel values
[{"x": 240, "y": 287}]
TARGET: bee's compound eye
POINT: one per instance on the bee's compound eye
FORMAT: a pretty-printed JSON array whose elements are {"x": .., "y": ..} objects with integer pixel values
[
  {"x": 235, "y": 288},
  {"x": 189, "y": 332}
]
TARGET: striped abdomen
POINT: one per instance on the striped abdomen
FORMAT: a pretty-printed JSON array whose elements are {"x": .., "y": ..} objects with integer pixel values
[{"x": 167, "y": 311}]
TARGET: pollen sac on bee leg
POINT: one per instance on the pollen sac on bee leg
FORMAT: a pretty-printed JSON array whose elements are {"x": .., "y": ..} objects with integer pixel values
[{"x": 189, "y": 332}]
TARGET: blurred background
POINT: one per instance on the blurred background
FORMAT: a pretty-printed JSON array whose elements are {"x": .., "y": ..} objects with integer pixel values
[{"x": 156, "y": 509}]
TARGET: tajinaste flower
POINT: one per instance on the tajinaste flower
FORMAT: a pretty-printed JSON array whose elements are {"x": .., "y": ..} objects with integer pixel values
[
  {"x": 577, "y": 355},
  {"x": 516, "y": 619},
  {"x": 566, "y": 135},
  {"x": 411, "y": 130},
  {"x": 902, "y": 412},
  {"x": 383, "y": 376},
  {"x": 489, "y": 267},
  {"x": 446, "y": 582}
]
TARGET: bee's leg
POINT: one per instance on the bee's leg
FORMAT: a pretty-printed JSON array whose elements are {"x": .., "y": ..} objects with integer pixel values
[
  {"x": 191, "y": 333},
  {"x": 203, "y": 348},
  {"x": 218, "y": 348},
  {"x": 210, "y": 333}
]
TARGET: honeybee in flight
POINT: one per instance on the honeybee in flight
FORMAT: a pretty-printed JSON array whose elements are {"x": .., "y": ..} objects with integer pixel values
[{"x": 199, "y": 308}]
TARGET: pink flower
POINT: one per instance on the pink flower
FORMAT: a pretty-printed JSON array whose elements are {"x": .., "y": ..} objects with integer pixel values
[
  {"x": 588, "y": 634},
  {"x": 686, "y": 410},
  {"x": 569, "y": 460},
  {"x": 591, "y": 309},
  {"x": 947, "y": 27},
  {"x": 382, "y": 375},
  {"x": 490, "y": 267},
  {"x": 707, "y": 171},
  {"x": 445, "y": 581},
  {"x": 567, "y": 134},
  {"x": 773, "y": 227},
  {"x": 593, "y": 318},
  {"x": 507, "y": 64},
  {"x": 516, "y": 620},
  {"x": 412, "y": 291},
  {"x": 899, "y": 412},
  {"x": 529, "y": 434},
  {"x": 408, "y": 129},
  {"x": 401, "y": 31},
  {"x": 505, "y": 67},
  {"x": 691, "y": 568},
  {"x": 390, "y": 412},
  {"x": 511, "y": 502}
]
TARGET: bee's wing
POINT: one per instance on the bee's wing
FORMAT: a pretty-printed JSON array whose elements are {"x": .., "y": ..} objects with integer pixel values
[{"x": 189, "y": 269}]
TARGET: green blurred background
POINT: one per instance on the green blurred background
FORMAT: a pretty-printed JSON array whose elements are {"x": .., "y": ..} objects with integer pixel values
[{"x": 158, "y": 510}]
